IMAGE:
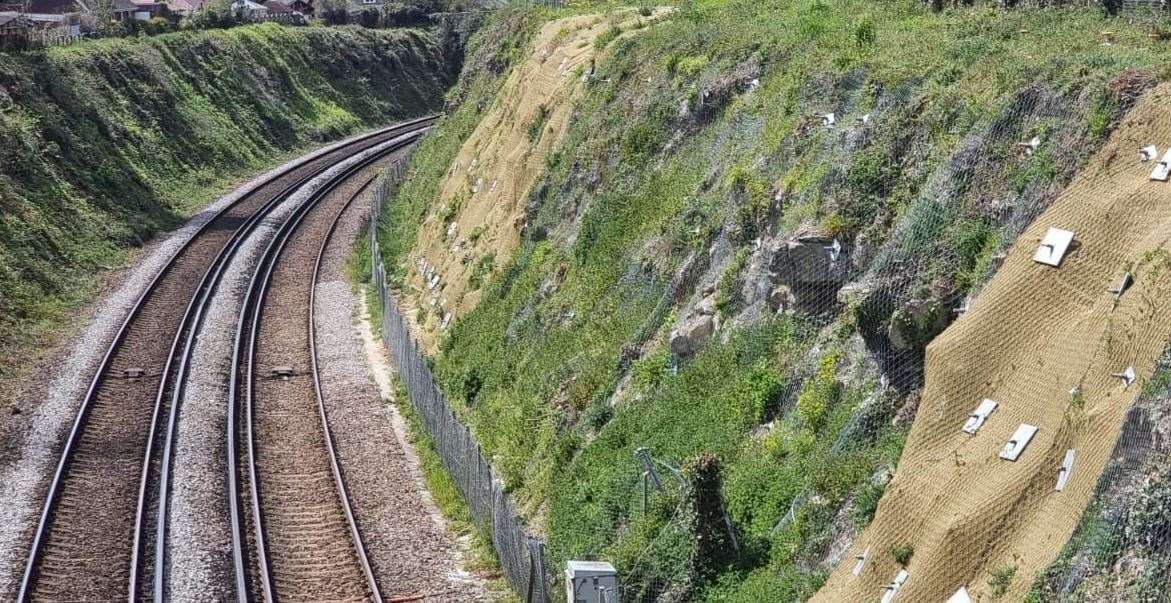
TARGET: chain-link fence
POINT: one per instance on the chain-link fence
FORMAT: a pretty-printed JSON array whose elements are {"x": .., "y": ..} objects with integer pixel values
[{"x": 522, "y": 555}]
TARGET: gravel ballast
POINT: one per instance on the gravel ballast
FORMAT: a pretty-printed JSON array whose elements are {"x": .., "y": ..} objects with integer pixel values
[
  {"x": 49, "y": 401},
  {"x": 407, "y": 541},
  {"x": 199, "y": 561},
  {"x": 24, "y": 481}
]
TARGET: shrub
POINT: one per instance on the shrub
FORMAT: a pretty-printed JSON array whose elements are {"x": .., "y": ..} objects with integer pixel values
[
  {"x": 472, "y": 383},
  {"x": 819, "y": 393},
  {"x": 902, "y": 553},
  {"x": 649, "y": 370},
  {"x": 482, "y": 270},
  {"x": 865, "y": 34},
  {"x": 866, "y": 503},
  {"x": 537, "y": 125},
  {"x": 728, "y": 297},
  {"x": 691, "y": 66},
  {"x": 1150, "y": 515},
  {"x": 643, "y": 139}
]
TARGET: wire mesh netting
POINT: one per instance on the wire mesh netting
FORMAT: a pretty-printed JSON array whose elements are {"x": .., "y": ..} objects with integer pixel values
[
  {"x": 1026, "y": 394},
  {"x": 521, "y": 555},
  {"x": 1049, "y": 345}
]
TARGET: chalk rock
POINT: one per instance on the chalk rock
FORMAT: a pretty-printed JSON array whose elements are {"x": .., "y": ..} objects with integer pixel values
[
  {"x": 688, "y": 338},
  {"x": 917, "y": 323},
  {"x": 781, "y": 299}
]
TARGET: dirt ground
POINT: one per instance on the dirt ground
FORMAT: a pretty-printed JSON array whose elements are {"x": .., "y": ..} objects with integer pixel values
[
  {"x": 1034, "y": 334},
  {"x": 478, "y": 219}
]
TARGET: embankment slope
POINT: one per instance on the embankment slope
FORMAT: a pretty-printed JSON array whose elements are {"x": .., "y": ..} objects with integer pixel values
[
  {"x": 103, "y": 144},
  {"x": 1034, "y": 334},
  {"x": 479, "y": 216}
]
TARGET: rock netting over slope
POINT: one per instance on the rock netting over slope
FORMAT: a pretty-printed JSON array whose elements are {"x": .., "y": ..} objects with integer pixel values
[
  {"x": 1033, "y": 337},
  {"x": 676, "y": 287},
  {"x": 103, "y": 144},
  {"x": 480, "y": 215}
]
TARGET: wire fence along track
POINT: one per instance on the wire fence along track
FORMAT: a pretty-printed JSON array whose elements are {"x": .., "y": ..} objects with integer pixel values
[
  {"x": 315, "y": 552},
  {"x": 522, "y": 555},
  {"x": 89, "y": 535}
]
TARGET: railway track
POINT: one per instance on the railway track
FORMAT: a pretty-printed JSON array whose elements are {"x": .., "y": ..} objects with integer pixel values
[
  {"x": 92, "y": 536},
  {"x": 303, "y": 543}
]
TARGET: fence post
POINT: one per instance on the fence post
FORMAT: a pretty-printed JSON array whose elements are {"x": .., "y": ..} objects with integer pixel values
[{"x": 460, "y": 453}]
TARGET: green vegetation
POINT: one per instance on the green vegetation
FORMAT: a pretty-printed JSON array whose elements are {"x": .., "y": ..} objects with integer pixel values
[
  {"x": 695, "y": 134},
  {"x": 1118, "y": 549},
  {"x": 447, "y": 497},
  {"x": 107, "y": 143},
  {"x": 902, "y": 554},
  {"x": 1001, "y": 579},
  {"x": 489, "y": 54},
  {"x": 607, "y": 36},
  {"x": 481, "y": 271}
]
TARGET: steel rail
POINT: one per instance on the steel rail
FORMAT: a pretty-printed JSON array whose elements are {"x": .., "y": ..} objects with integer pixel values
[
  {"x": 249, "y": 320},
  {"x": 187, "y": 334},
  {"x": 80, "y": 420},
  {"x": 335, "y": 467}
]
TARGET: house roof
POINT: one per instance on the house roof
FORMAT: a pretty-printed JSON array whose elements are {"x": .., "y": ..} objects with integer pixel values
[
  {"x": 181, "y": 6},
  {"x": 11, "y": 19},
  {"x": 46, "y": 18},
  {"x": 52, "y": 7},
  {"x": 276, "y": 7}
]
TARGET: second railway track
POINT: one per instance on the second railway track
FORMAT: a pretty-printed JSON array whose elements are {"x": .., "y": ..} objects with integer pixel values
[
  {"x": 93, "y": 536},
  {"x": 303, "y": 543}
]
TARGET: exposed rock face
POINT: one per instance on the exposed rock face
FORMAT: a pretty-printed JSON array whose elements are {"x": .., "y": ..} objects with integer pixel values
[
  {"x": 916, "y": 323},
  {"x": 688, "y": 337},
  {"x": 808, "y": 258},
  {"x": 781, "y": 299},
  {"x": 798, "y": 273}
]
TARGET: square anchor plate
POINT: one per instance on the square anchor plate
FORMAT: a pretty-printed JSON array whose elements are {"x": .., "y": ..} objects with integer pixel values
[
  {"x": 1162, "y": 168},
  {"x": 1053, "y": 246},
  {"x": 860, "y": 562},
  {"x": 1016, "y": 444},
  {"x": 976, "y": 419},
  {"x": 893, "y": 588},
  {"x": 961, "y": 596},
  {"x": 1066, "y": 469}
]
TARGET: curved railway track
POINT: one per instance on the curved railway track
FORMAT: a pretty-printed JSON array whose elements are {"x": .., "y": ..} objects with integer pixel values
[
  {"x": 91, "y": 536},
  {"x": 304, "y": 543}
]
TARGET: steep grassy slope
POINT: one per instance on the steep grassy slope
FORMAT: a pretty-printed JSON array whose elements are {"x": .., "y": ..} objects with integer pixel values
[
  {"x": 482, "y": 211},
  {"x": 103, "y": 144},
  {"x": 697, "y": 174}
]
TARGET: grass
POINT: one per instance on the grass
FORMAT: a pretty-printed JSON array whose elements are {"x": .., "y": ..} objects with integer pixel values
[
  {"x": 452, "y": 505},
  {"x": 647, "y": 186},
  {"x": 1001, "y": 580},
  {"x": 108, "y": 143}
]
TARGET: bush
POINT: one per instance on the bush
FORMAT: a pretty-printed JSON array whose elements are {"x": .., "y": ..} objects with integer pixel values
[
  {"x": 819, "y": 393},
  {"x": 403, "y": 15},
  {"x": 649, "y": 370},
  {"x": 1150, "y": 515},
  {"x": 368, "y": 18},
  {"x": 728, "y": 296},
  {"x": 866, "y": 503},
  {"x": 902, "y": 553}
]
